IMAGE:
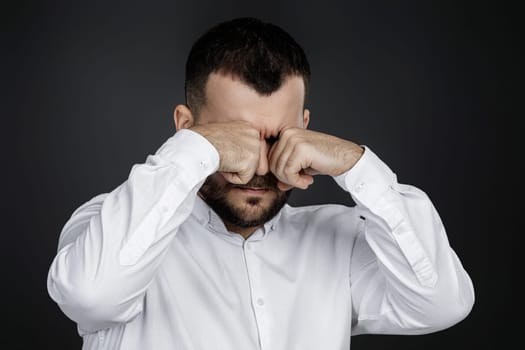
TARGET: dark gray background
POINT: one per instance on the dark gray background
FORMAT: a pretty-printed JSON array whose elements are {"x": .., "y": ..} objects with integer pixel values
[{"x": 89, "y": 90}]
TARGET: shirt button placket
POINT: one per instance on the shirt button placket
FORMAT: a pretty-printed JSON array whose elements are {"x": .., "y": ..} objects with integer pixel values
[{"x": 257, "y": 293}]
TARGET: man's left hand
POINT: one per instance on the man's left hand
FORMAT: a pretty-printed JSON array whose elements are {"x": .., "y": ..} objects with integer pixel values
[{"x": 300, "y": 153}]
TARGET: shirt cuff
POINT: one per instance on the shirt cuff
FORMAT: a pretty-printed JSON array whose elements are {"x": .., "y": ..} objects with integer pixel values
[
  {"x": 191, "y": 151},
  {"x": 368, "y": 179}
]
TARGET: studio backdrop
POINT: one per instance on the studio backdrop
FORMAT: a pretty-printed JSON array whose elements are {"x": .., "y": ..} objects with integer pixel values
[{"x": 90, "y": 90}]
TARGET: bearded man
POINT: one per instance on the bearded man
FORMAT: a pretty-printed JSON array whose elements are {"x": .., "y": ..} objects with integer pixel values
[{"x": 198, "y": 248}]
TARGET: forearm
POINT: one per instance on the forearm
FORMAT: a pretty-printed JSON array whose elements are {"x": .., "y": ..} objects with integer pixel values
[
  {"x": 111, "y": 247},
  {"x": 414, "y": 281}
]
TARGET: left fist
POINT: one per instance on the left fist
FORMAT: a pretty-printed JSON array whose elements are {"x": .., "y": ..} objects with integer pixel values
[{"x": 300, "y": 153}]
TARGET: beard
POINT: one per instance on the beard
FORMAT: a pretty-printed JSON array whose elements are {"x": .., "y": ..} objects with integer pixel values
[{"x": 248, "y": 212}]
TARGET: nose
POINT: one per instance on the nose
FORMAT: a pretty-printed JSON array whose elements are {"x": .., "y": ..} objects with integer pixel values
[{"x": 262, "y": 167}]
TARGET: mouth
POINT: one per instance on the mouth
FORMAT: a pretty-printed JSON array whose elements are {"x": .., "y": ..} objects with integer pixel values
[{"x": 253, "y": 190}]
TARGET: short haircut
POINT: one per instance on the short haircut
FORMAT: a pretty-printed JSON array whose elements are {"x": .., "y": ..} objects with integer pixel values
[{"x": 261, "y": 55}]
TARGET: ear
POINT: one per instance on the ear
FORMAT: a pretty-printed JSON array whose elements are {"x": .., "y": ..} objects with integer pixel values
[
  {"x": 183, "y": 117},
  {"x": 306, "y": 117}
]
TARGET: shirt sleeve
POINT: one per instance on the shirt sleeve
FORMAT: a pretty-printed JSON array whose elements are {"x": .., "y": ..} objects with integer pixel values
[
  {"x": 112, "y": 245},
  {"x": 405, "y": 278}
]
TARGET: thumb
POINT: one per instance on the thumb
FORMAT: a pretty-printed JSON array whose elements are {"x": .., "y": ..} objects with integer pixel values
[
  {"x": 245, "y": 176},
  {"x": 239, "y": 178},
  {"x": 310, "y": 171},
  {"x": 283, "y": 186},
  {"x": 232, "y": 178}
]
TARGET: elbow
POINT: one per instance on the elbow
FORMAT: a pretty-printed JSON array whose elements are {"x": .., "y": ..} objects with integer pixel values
[
  {"x": 432, "y": 318},
  {"x": 91, "y": 307},
  {"x": 450, "y": 307},
  {"x": 79, "y": 304},
  {"x": 456, "y": 301},
  {"x": 451, "y": 314},
  {"x": 72, "y": 293}
]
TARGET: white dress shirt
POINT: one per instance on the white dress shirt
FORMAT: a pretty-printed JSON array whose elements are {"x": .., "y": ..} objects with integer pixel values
[{"x": 149, "y": 266}]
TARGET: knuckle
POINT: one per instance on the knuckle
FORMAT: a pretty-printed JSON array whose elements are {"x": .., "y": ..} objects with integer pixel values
[
  {"x": 274, "y": 163},
  {"x": 301, "y": 147},
  {"x": 272, "y": 166},
  {"x": 286, "y": 133},
  {"x": 281, "y": 163},
  {"x": 289, "y": 130},
  {"x": 243, "y": 177},
  {"x": 289, "y": 164}
]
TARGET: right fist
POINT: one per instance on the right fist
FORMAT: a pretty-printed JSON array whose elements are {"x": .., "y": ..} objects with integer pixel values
[{"x": 242, "y": 151}]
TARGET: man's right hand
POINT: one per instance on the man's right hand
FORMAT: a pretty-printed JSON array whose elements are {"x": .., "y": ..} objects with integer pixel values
[{"x": 239, "y": 145}]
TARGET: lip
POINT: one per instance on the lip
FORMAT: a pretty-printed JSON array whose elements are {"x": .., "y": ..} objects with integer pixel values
[{"x": 253, "y": 190}]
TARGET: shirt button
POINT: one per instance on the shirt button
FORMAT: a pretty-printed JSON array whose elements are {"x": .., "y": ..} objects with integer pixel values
[
  {"x": 260, "y": 301},
  {"x": 203, "y": 164},
  {"x": 359, "y": 187}
]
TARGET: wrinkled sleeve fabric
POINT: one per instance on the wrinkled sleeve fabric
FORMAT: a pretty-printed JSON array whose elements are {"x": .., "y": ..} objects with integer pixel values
[
  {"x": 404, "y": 276},
  {"x": 112, "y": 245}
]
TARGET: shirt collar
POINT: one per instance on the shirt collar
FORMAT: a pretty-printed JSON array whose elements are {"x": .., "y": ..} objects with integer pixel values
[{"x": 209, "y": 219}]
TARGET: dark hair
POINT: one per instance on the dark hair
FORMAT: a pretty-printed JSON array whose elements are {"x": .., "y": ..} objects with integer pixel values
[{"x": 261, "y": 55}]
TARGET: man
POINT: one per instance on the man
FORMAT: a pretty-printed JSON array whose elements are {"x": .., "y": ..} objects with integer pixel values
[{"x": 198, "y": 249}]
